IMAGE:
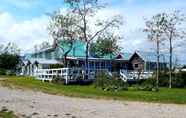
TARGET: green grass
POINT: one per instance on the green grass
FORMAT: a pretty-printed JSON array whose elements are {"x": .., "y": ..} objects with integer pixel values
[
  {"x": 7, "y": 114},
  {"x": 165, "y": 95}
]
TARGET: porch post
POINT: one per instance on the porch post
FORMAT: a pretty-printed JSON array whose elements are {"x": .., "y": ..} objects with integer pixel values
[{"x": 94, "y": 65}]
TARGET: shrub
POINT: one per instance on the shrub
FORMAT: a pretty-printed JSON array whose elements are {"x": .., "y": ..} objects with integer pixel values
[
  {"x": 102, "y": 79},
  {"x": 178, "y": 80},
  {"x": 183, "y": 76},
  {"x": 9, "y": 61},
  {"x": 148, "y": 85},
  {"x": 10, "y": 73},
  {"x": 57, "y": 80},
  {"x": 2, "y": 71},
  {"x": 150, "y": 81},
  {"x": 110, "y": 83},
  {"x": 56, "y": 66}
]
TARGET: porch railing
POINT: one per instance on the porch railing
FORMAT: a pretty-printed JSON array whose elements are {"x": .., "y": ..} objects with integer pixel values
[
  {"x": 67, "y": 74},
  {"x": 133, "y": 75}
]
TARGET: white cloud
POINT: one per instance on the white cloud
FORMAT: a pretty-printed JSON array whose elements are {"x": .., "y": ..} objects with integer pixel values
[
  {"x": 26, "y": 33},
  {"x": 134, "y": 38},
  {"x": 21, "y": 3},
  {"x": 30, "y": 32}
]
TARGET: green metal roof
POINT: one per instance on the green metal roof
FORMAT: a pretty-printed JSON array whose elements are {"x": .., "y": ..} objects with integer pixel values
[
  {"x": 78, "y": 51},
  {"x": 110, "y": 56},
  {"x": 78, "y": 48}
]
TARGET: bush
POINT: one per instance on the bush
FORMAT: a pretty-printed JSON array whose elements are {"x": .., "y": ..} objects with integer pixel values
[
  {"x": 9, "y": 61},
  {"x": 148, "y": 85},
  {"x": 10, "y": 73},
  {"x": 102, "y": 80},
  {"x": 56, "y": 66},
  {"x": 150, "y": 81},
  {"x": 110, "y": 83},
  {"x": 178, "y": 80},
  {"x": 183, "y": 76},
  {"x": 57, "y": 80},
  {"x": 2, "y": 71}
]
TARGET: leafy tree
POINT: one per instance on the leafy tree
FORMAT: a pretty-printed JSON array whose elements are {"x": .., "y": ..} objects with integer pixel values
[
  {"x": 173, "y": 31},
  {"x": 105, "y": 44},
  {"x": 9, "y": 56},
  {"x": 83, "y": 11},
  {"x": 8, "y": 61},
  {"x": 155, "y": 32},
  {"x": 184, "y": 66}
]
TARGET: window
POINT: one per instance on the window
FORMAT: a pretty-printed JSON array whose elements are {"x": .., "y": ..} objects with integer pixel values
[{"x": 136, "y": 65}]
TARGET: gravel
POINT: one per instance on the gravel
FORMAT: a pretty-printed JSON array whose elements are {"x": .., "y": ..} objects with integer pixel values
[{"x": 30, "y": 104}]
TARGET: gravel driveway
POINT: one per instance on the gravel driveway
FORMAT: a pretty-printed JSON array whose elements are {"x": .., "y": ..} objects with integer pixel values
[{"x": 31, "y": 104}]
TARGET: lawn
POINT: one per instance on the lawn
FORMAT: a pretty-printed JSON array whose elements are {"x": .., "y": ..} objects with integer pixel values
[
  {"x": 165, "y": 95},
  {"x": 4, "y": 113}
]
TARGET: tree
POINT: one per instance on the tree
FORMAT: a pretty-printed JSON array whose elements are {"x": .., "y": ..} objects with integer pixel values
[
  {"x": 1, "y": 48},
  {"x": 64, "y": 31},
  {"x": 8, "y": 61},
  {"x": 173, "y": 31},
  {"x": 105, "y": 44},
  {"x": 11, "y": 48},
  {"x": 9, "y": 56},
  {"x": 44, "y": 45},
  {"x": 83, "y": 11},
  {"x": 36, "y": 48},
  {"x": 155, "y": 32}
]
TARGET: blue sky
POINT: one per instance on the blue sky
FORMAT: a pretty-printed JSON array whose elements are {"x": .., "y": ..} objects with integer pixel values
[
  {"x": 25, "y": 21},
  {"x": 25, "y": 9}
]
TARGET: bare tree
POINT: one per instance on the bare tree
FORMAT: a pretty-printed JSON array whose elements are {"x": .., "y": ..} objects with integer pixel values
[
  {"x": 11, "y": 48},
  {"x": 36, "y": 48},
  {"x": 173, "y": 31},
  {"x": 44, "y": 45},
  {"x": 83, "y": 12},
  {"x": 1, "y": 48},
  {"x": 155, "y": 32},
  {"x": 64, "y": 31}
]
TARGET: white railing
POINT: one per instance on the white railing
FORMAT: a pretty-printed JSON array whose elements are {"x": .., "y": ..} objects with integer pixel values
[
  {"x": 132, "y": 75},
  {"x": 67, "y": 74}
]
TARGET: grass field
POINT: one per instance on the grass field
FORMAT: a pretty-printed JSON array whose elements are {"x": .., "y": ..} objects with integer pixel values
[{"x": 165, "y": 95}]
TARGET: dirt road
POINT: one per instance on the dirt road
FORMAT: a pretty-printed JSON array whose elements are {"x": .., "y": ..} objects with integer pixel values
[{"x": 31, "y": 104}]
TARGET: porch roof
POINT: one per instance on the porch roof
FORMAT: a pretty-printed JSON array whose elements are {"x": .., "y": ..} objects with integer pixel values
[{"x": 44, "y": 61}]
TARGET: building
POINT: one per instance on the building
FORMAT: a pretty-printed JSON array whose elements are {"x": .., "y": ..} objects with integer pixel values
[
  {"x": 52, "y": 58},
  {"x": 146, "y": 61}
]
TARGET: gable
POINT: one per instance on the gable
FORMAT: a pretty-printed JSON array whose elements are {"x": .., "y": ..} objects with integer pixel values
[{"x": 135, "y": 56}]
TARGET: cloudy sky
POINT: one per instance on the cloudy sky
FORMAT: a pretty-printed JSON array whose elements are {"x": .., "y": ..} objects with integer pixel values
[{"x": 25, "y": 21}]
